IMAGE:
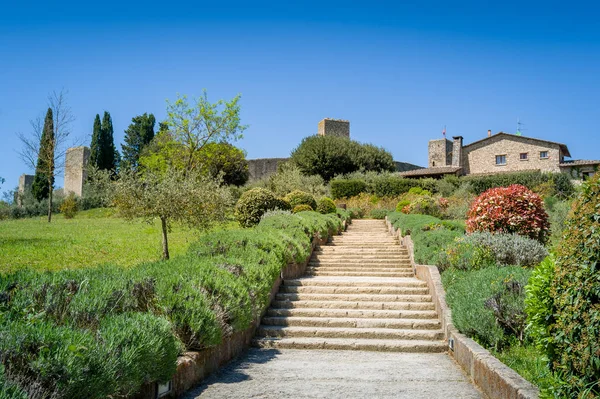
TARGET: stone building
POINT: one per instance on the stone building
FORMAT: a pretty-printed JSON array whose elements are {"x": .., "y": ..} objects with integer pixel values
[
  {"x": 498, "y": 153},
  {"x": 334, "y": 127},
  {"x": 25, "y": 183},
  {"x": 76, "y": 169}
]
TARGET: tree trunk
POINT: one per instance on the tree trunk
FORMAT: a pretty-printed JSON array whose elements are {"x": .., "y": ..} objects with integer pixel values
[
  {"x": 50, "y": 201},
  {"x": 165, "y": 241}
]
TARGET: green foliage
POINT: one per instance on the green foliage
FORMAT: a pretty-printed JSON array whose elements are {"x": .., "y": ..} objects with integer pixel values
[
  {"x": 344, "y": 214},
  {"x": 347, "y": 188},
  {"x": 402, "y": 205},
  {"x": 561, "y": 182},
  {"x": 487, "y": 304},
  {"x": 298, "y": 197},
  {"x": 425, "y": 205},
  {"x": 576, "y": 292},
  {"x": 253, "y": 204},
  {"x": 448, "y": 185},
  {"x": 356, "y": 213},
  {"x": 390, "y": 185},
  {"x": 138, "y": 135},
  {"x": 539, "y": 305},
  {"x": 69, "y": 207},
  {"x": 328, "y": 156},
  {"x": 43, "y": 180},
  {"x": 379, "y": 213},
  {"x": 325, "y": 205},
  {"x": 223, "y": 160},
  {"x": 558, "y": 211},
  {"x": 289, "y": 178},
  {"x": 301, "y": 208},
  {"x": 103, "y": 154}
]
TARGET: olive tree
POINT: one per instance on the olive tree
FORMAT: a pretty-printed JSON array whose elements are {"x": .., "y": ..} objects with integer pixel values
[{"x": 172, "y": 196}]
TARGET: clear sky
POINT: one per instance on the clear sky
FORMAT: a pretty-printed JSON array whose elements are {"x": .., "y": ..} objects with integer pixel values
[{"x": 399, "y": 72}]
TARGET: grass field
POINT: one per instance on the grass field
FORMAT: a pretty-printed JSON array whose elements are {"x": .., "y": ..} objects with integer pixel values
[{"x": 93, "y": 237}]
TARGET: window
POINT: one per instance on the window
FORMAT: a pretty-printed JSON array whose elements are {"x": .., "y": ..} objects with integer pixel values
[
  {"x": 543, "y": 154},
  {"x": 523, "y": 156},
  {"x": 500, "y": 159}
]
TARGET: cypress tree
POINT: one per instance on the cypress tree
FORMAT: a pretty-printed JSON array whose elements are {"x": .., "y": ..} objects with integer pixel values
[
  {"x": 95, "y": 147},
  {"x": 109, "y": 158},
  {"x": 43, "y": 180},
  {"x": 139, "y": 133}
]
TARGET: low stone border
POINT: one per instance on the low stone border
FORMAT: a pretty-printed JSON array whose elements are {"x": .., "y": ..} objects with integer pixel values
[
  {"x": 194, "y": 367},
  {"x": 489, "y": 374}
]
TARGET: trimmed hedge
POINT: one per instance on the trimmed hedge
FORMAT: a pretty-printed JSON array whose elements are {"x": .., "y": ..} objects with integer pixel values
[
  {"x": 560, "y": 182},
  {"x": 104, "y": 331},
  {"x": 298, "y": 197},
  {"x": 326, "y": 205},
  {"x": 347, "y": 188},
  {"x": 254, "y": 203},
  {"x": 383, "y": 185}
]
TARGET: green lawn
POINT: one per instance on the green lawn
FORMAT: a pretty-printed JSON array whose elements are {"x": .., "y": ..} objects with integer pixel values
[{"x": 93, "y": 237}]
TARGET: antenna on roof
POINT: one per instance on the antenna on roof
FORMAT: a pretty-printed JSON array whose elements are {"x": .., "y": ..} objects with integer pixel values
[{"x": 519, "y": 127}]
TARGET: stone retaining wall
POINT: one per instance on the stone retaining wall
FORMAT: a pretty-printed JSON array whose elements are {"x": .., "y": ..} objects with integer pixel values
[{"x": 489, "y": 374}]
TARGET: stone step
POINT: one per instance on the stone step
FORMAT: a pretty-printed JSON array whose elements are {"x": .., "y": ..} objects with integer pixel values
[
  {"x": 354, "y": 290},
  {"x": 352, "y": 322},
  {"x": 359, "y": 259},
  {"x": 365, "y": 264},
  {"x": 353, "y": 313},
  {"x": 328, "y": 304},
  {"x": 344, "y": 282},
  {"x": 335, "y": 332},
  {"x": 344, "y": 255},
  {"x": 384, "y": 267},
  {"x": 359, "y": 274},
  {"x": 352, "y": 297},
  {"x": 384, "y": 345},
  {"x": 363, "y": 245}
]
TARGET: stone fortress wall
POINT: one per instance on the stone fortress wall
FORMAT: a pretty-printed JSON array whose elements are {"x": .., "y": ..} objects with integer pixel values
[{"x": 75, "y": 169}]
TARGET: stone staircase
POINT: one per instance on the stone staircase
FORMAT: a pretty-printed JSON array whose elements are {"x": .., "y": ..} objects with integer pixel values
[{"x": 360, "y": 293}]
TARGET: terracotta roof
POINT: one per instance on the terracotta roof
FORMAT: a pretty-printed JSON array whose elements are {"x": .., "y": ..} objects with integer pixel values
[
  {"x": 579, "y": 162},
  {"x": 438, "y": 170},
  {"x": 563, "y": 147}
]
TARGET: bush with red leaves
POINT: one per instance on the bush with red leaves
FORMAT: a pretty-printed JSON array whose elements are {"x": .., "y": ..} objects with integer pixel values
[{"x": 513, "y": 209}]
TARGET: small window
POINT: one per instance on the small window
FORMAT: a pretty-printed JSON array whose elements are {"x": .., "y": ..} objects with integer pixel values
[
  {"x": 523, "y": 156},
  {"x": 543, "y": 154},
  {"x": 500, "y": 159}
]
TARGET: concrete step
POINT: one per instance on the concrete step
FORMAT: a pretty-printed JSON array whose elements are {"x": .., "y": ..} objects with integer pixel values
[
  {"x": 344, "y": 282},
  {"x": 352, "y": 322},
  {"x": 353, "y": 313},
  {"x": 384, "y": 345},
  {"x": 329, "y": 304},
  {"x": 353, "y": 290},
  {"x": 359, "y": 274},
  {"x": 352, "y": 297}
]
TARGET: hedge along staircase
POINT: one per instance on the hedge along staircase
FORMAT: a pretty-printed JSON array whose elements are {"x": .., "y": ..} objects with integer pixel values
[{"x": 360, "y": 293}]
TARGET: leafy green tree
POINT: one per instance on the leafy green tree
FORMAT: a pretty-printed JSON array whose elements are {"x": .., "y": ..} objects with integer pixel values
[
  {"x": 192, "y": 126},
  {"x": 371, "y": 158},
  {"x": 175, "y": 196},
  {"x": 103, "y": 154},
  {"x": 138, "y": 135},
  {"x": 224, "y": 159},
  {"x": 43, "y": 181}
]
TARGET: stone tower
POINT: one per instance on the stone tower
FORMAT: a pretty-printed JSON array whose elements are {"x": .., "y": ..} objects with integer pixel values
[
  {"x": 334, "y": 127},
  {"x": 440, "y": 153},
  {"x": 75, "y": 169},
  {"x": 25, "y": 183}
]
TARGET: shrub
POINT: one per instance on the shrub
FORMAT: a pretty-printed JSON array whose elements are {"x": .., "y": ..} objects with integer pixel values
[
  {"x": 487, "y": 304},
  {"x": 576, "y": 292},
  {"x": 416, "y": 190},
  {"x": 69, "y": 207},
  {"x": 558, "y": 211},
  {"x": 347, "y": 188},
  {"x": 430, "y": 244},
  {"x": 539, "y": 305},
  {"x": 356, "y": 213},
  {"x": 392, "y": 185},
  {"x": 253, "y": 204},
  {"x": 298, "y": 197},
  {"x": 301, "y": 208},
  {"x": 426, "y": 205},
  {"x": 344, "y": 215},
  {"x": 401, "y": 205},
  {"x": 326, "y": 205},
  {"x": 513, "y": 209},
  {"x": 448, "y": 185},
  {"x": 561, "y": 182},
  {"x": 379, "y": 213}
]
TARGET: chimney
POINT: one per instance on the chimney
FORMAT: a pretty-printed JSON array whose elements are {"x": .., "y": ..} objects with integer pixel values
[
  {"x": 489, "y": 133},
  {"x": 457, "y": 145}
]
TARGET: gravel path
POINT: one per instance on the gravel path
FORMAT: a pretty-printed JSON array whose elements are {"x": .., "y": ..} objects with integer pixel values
[{"x": 290, "y": 373}]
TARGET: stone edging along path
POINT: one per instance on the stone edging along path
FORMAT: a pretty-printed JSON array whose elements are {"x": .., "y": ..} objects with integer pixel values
[
  {"x": 489, "y": 374},
  {"x": 194, "y": 366}
]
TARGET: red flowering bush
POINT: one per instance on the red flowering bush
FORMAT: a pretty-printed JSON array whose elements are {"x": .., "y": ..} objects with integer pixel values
[{"x": 513, "y": 209}]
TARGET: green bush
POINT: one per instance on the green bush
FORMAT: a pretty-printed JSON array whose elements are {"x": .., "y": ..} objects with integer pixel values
[
  {"x": 487, "y": 305},
  {"x": 379, "y": 213},
  {"x": 301, "y": 208},
  {"x": 69, "y": 207},
  {"x": 356, "y": 213},
  {"x": 298, "y": 197},
  {"x": 344, "y": 215},
  {"x": 347, "y": 188},
  {"x": 401, "y": 205},
  {"x": 326, "y": 205},
  {"x": 426, "y": 205},
  {"x": 392, "y": 186},
  {"x": 576, "y": 292},
  {"x": 253, "y": 204},
  {"x": 561, "y": 182},
  {"x": 539, "y": 305}
]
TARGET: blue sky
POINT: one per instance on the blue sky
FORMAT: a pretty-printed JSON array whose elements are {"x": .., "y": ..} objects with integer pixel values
[{"x": 398, "y": 71}]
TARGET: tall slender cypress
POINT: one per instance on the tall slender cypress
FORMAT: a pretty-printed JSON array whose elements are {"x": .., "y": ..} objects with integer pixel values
[
  {"x": 139, "y": 133},
  {"x": 96, "y": 146},
  {"x": 43, "y": 181},
  {"x": 109, "y": 159}
]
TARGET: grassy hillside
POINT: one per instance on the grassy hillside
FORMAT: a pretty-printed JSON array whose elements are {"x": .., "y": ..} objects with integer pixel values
[{"x": 93, "y": 237}]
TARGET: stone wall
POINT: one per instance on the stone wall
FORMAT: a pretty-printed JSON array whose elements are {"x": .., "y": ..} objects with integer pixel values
[
  {"x": 334, "y": 127},
  {"x": 25, "y": 183},
  {"x": 264, "y": 167},
  {"x": 75, "y": 169},
  {"x": 457, "y": 145},
  {"x": 440, "y": 153},
  {"x": 480, "y": 157}
]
